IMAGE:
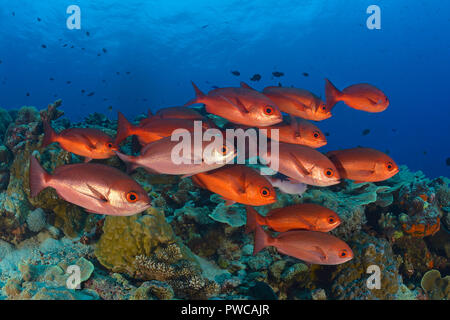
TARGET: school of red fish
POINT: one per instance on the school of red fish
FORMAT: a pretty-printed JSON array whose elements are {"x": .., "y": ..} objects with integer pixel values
[{"x": 302, "y": 228}]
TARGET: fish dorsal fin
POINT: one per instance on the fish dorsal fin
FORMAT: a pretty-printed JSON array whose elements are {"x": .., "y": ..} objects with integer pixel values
[
  {"x": 246, "y": 86},
  {"x": 98, "y": 195},
  {"x": 238, "y": 104},
  {"x": 300, "y": 166},
  {"x": 295, "y": 126}
]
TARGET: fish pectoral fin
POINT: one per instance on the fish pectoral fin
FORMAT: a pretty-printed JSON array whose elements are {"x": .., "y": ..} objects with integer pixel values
[
  {"x": 301, "y": 106},
  {"x": 295, "y": 127},
  {"x": 318, "y": 252},
  {"x": 97, "y": 194},
  {"x": 365, "y": 173},
  {"x": 300, "y": 166},
  {"x": 89, "y": 143},
  {"x": 306, "y": 223},
  {"x": 373, "y": 101},
  {"x": 239, "y": 105}
]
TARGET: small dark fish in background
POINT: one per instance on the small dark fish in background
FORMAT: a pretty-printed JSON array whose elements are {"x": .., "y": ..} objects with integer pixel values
[
  {"x": 305, "y": 74},
  {"x": 87, "y": 33},
  {"x": 365, "y": 132},
  {"x": 117, "y": 72},
  {"x": 13, "y": 14},
  {"x": 98, "y": 54},
  {"x": 235, "y": 73},
  {"x": 64, "y": 45},
  {"x": 28, "y": 94},
  {"x": 44, "y": 46},
  {"x": 104, "y": 81},
  {"x": 39, "y": 19},
  {"x": 104, "y": 50},
  {"x": 327, "y": 134},
  {"x": 51, "y": 79},
  {"x": 425, "y": 153},
  {"x": 110, "y": 108},
  {"x": 128, "y": 72},
  {"x": 1, "y": 61},
  {"x": 105, "y": 99},
  {"x": 387, "y": 151},
  {"x": 447, "y": 161},
  {"x": 83, "y": 91},
  {"x": 90, "y": 94},
  {"x": 215, "y": 87},
  {"x": 256, "y": 77},
  {"x": 71, "y": 47},
  {"x": 279, "y": 84},
  {"x": 394, "y": 130},
  {"x": 277, "y": 74},
  {"x": 68, "y": 82},
  {"x": 55, "y": 95},
  {"x": 83, "y": 49},
  {"x": 205, "y": 26}
]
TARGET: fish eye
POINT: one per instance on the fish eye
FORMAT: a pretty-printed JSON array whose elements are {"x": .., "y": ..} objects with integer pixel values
[
  {"x": 268, "y": 110},
  {"x": 390, "y": 166},
  {"x": 265, "y": 192},
  {"x": 343, "y": 253},
  {"x": 331, "y": 220},
  {"x": 110, "y": 145},
  {"x": 132, "y": 196},
  {"x": 316, "y": 134},
  {"x": 224, "y": 150},
  {"x": 329, "y": 172}
]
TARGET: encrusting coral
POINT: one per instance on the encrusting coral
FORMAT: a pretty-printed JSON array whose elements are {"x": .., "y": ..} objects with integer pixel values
[{"x": 145, "y": 247}]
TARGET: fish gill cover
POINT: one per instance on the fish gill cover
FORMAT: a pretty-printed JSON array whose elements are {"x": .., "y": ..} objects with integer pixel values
[{"x": 62, "y": 86}]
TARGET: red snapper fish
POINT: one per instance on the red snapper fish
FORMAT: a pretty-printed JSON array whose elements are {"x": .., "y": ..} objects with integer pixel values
[
  {"x": 86, "y": 142},
  {"x": 308, "y": 216},
  {"x": 361, "y": 96},
  {"x": 310, "y": 246},
  {"x": 239, "y": 105},
  {"x": 363, "y": 164},
  {"x": 298, "y": 131},
  {"x": 165, "y": 156},
  {"x": 298, "y": 102},
  {"x": 237, "y": 183},
  {"x": 95, "y": 187},
  {"x": 304, "y": 164}
]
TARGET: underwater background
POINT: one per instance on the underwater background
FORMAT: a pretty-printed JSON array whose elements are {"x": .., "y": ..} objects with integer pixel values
[{"x": 131, "y": 56}]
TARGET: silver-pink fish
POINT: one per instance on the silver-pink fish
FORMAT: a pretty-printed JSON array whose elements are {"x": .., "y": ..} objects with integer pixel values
[{"x": 95, "y": 187}]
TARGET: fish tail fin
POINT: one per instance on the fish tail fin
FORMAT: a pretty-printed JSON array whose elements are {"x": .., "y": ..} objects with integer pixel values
[
  {"x": 253, "y": 219},
  {"x": 124, "y": 128},
  {"x": 199, "y": 95},
  {"x": 49, "y": 134},
  {"x": 262, "y": 239},
  {"x": 332, "y": 94},
  {"x": 38, "y": 177},
  {"x": 130, "y": 161}
]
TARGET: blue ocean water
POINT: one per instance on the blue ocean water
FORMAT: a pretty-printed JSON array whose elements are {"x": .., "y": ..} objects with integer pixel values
[{"x": 134, "y": 55}]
